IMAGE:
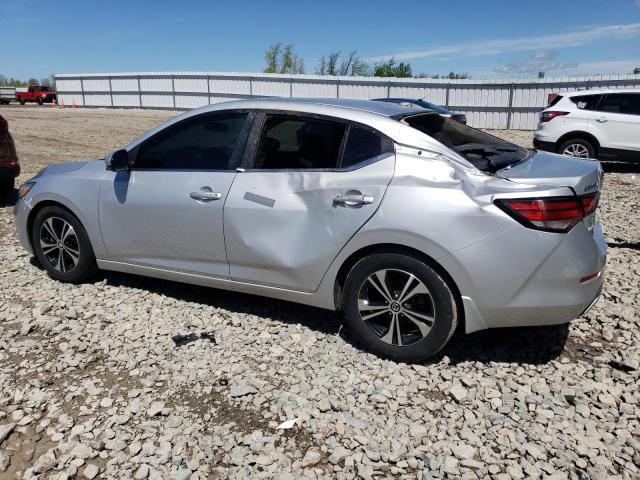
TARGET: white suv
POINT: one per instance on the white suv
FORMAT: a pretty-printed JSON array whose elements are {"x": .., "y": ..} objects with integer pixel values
[{"x": 593, "y": 123}]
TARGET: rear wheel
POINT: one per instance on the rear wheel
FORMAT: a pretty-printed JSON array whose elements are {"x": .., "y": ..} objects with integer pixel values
[
  {"x": 21, "y": 100},
  {"x": 577, "y": 147},
  {"x": 399, "y": 307},
  {"x": 62, "y": 245}
]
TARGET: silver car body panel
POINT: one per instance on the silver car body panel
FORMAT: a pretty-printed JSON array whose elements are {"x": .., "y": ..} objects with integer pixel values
[
  {"x": 311, "y": 226},
  {"x": 187, "y": 235},
  {"x": 279, "y": 234}
]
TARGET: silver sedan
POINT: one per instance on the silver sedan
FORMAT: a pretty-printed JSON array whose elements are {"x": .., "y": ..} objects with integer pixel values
[{"x": 411, "y": 224}]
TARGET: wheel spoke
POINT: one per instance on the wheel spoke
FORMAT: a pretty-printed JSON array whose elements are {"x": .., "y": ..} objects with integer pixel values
[
  {"x": 69, "y": 231},
  {"x": 422, "y": 326},
  {"x": 382, "y": 292},
  {"x": 417, "y": 290},
  {"x": 406, "y": 287},
  {"x": 74, "y": 257},
  {"x": 394, "y": 327},
  {"x": 48, "y": 225},
  {"x": 371, "y": 315},
  {"x": 60, "y": 262},
  {"x": 365, "y": 306}
]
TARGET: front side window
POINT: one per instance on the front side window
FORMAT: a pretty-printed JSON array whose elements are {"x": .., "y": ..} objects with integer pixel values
[
  {"x": 626, "y": 103},
  {"x": 586, "y": 102},
  {"x": 291, "y": 142},
  {"x": 206, "y": 142}
]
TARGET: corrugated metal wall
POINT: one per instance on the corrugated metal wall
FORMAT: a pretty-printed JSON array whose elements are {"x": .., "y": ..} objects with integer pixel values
[{"x": 487, "y": 103}]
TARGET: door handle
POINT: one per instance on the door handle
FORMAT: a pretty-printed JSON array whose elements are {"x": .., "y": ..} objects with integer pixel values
[
  {"x": 205, "y": 196},
  {"x": 353, "y": 198},
  {"x": 602, "y": 119}
]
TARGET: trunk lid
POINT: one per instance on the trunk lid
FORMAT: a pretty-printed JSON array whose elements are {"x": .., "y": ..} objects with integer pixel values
[{"x": 584, "y": 176}]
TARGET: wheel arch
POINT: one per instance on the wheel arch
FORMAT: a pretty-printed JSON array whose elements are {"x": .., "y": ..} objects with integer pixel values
[
  {"x": 581, "y": 135},
  {"x": 38, "y": 207},
  {"x": 363, "y": 252}
]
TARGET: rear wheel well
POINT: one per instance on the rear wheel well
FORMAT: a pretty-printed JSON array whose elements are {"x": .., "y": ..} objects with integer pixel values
[
  {"x": 34, "y": 212},
  {"x": 358, "y": 255},
  {"x": 581, "y": 135}
]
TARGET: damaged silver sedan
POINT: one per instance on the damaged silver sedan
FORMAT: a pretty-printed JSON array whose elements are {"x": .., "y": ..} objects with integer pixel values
[{"x": 409, "y": 223}]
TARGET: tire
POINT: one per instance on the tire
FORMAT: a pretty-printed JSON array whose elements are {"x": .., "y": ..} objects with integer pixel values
[
  {"x": 404, "y": 275},
  {"x": 75, "y": 262},
  {"x": 39, "y": 101},
  {"x": 6, "y": 187},
  {"x": 582, "y": 148},
  {"x": 21, "y": 100}
]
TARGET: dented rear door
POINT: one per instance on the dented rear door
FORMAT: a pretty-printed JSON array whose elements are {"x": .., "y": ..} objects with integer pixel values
[{"x": 284, "y": 228}]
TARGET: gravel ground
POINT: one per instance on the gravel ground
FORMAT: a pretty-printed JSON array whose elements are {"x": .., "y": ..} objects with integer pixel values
[{"x": 93, "y": 386}]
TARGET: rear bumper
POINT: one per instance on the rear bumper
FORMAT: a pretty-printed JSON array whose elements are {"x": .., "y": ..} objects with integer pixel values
[
  {"x": 513, "y": 284},
  {"x": 544, "y": 145}
]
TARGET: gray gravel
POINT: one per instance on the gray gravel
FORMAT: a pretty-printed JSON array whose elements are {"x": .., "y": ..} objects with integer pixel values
[{"x": 93, "y": 386}]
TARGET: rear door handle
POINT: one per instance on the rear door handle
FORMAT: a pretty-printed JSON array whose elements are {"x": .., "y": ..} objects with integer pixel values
[
  {"x": 205, "y": 196},
  {"x": 353, "y": 198},
  {"x": 602, "y": 119}
]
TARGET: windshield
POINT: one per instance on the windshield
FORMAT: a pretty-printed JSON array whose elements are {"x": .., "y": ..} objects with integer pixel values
[{"x": 484, "y": 151}]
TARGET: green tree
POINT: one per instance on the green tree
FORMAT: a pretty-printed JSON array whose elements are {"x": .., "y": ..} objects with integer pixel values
[
  {"x": 281, "y": 59},
  {"x": 392, "y": 69},
  {"x": 32, "y": 81}
]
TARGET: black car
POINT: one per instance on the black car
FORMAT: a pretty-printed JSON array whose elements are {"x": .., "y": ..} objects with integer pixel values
[
  {"x": 9, "y": 165},
  {"x": 458, "y": 117}
]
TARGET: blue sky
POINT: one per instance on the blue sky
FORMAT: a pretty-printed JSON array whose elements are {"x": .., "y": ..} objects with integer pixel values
[{"x": 487, "y": 39}]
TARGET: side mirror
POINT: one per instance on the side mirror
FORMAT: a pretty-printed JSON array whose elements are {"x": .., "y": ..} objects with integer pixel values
[{"x": 118, "y": 161}]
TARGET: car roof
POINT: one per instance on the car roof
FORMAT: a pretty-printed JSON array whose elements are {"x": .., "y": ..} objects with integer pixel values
[
  {"x": 599, "y": 91},
  {"x": 386, "y": 109}
]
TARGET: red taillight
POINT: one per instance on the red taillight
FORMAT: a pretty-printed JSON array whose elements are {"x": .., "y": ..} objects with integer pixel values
[
  {"x": 553, "y": 214},
  {"x": 550, "y": 115},
  {"x": 589, "y": 203}
]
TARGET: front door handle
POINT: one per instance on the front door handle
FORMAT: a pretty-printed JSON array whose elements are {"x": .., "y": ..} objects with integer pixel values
[
  {"x": 205, "y": 196},
  {"x": 353, "y": 198},
  {"x": 602, "y": 119}
]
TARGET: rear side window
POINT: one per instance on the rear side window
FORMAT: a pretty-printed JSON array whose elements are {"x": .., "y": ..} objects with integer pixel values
[
  {"x": 363, "y": 144},
  {"x": 627, "y": 103},
  {"x": 586, "y": 102},
  {"x": 206, "y": 142},
  {"x": 292, "y": 142}
]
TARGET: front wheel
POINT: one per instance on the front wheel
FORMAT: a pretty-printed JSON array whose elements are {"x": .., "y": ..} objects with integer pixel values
[
  {"x": 40, "y": 100},
  {"x": 399, "y": 307},
  {"x": 62, "y": 245},
  {"x": 577, "y": 147}
]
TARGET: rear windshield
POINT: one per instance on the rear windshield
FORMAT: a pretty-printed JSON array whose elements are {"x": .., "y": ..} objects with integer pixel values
[{"x": 484, "y": 151}]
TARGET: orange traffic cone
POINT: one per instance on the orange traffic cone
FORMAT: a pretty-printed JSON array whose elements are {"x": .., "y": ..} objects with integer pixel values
[
  {"x": 62, "y": 104},
  {"x": 53, "y": 104},
  {"x": 73, "y": 103}
]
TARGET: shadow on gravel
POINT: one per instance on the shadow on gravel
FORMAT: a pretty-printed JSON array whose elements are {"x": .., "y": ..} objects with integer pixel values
[
  {"x": 630, "y": 245},
  {"x": 524, "y": 345},
  {"x": 535, "y": 345},
  {"x": 321, "y": 320},
  {"x": 9, "y": 200},
  {"x": 620, "y": 167}
]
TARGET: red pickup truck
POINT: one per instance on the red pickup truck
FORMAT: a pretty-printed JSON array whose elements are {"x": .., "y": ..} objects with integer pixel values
[{"x": 37, "y": 93}]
